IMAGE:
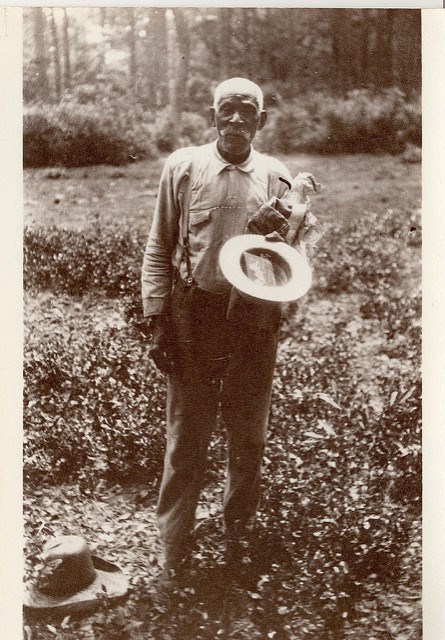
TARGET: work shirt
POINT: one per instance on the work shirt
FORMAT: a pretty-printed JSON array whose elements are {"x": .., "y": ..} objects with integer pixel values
[{"x": 206, "y": 198}]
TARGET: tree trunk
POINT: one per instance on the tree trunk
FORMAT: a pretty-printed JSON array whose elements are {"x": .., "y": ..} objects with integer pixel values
[
  {"x": 364, "y": 47},
  {"x": 385, "y": 47},
  {"x": 173, "y": 104},
  {"x": 337, "y": 26},
  {"x": 253, "y": 53},
  {"x": 225, "y": 38},
  {"x": 131, "y": 39},
  {"x": 56, "y": 59},
  {"x": 178, "y": 39},
  {"x": 156, "y": 59},
  {"x": 40, "y": 59},
  {"x": 183, "y": 38},
  {"x": 101, "y": 55},
  {"x": 409, "y": 51},
  {"x": 66, "y": 52}
]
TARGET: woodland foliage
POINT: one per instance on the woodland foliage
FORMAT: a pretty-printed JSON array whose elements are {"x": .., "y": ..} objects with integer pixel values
[{"x": 116, "y": 85}]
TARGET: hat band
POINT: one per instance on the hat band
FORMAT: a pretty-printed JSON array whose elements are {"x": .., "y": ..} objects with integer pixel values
[{"x": 72, "y": 575}]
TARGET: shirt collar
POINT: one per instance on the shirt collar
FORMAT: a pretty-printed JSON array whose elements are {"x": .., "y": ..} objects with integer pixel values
[{"x": 219, "y": 163}]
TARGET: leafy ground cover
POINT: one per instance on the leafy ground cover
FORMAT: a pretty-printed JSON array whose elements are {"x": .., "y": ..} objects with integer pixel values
[{"x": 337, "y": 544}]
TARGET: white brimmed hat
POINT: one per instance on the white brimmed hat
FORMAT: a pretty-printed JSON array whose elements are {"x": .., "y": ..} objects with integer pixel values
[
  {"x": 265, "y": 269},
  {"x": 78, "y": 583}
]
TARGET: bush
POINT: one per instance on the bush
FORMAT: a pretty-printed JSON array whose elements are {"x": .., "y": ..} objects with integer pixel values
[
  {"x": 362, "y": 122},
  {"x": 366, "y": 254},
  {"x": 371, "y": 122},
  {"x": 104, "y": 124},
  {"x": 73, "y": 262},
  {"x": 93, "y": 407},
  {"x": 74, "y": 134},
  {"x": 362, "y": 256},
  {"x": 293, "y": 128},
  {"x": 195, "y": 130},
  {"x": 343, "y": 480}
]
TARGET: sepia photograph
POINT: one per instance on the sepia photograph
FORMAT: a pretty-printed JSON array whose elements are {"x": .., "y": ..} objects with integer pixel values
[{"x": 222, "y": 317}]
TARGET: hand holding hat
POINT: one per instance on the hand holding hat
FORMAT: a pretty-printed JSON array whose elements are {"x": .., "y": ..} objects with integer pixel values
[
  {"x": 260, "y": 264},
  {"x": 269, "y": 271},
  {"x": 267, "y": 220},
  {"x": 289, "y": 218}
]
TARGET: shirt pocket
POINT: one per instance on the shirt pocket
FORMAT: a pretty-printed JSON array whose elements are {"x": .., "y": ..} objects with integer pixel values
[
  {"x": 200, "y": 230},
  {"x": 214, "y": 226}
]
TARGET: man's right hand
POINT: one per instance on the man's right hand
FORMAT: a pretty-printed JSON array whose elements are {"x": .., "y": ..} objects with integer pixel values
[{"x": 161, "y": 350}]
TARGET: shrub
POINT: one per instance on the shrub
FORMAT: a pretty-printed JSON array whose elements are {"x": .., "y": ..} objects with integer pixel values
[
  {"x": 75, "y": 134},
  {"x": 343, "y": 480},
  {"x": 72, "y": 262},
  {"x": 366, "y": 253},
  {"x": 362, "y": 122},
  {"x": 369, "y": 122},
  {"x": 293, "y": 128},
  {"x": 93, "y": 407},
  {"x": 194, "y": 130}
]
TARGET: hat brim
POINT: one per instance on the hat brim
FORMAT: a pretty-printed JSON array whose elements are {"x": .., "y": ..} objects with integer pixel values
[
  {"x": 109, "y": 583},
  {"x": 300, "y": 273}
]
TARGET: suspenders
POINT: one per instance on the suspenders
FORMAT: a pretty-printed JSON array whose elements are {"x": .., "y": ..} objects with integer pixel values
[{"x": 184, "y": 200}]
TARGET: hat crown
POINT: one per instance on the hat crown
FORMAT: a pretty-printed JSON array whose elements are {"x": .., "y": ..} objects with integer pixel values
[
  {"x": 76, "y": 570},
  {"x": 64, "y": 546}
]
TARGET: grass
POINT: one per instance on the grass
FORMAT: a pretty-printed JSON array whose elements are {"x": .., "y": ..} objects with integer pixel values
[
  {"x": 354, "y": 186},
  {"x": 282, "y": 603}
]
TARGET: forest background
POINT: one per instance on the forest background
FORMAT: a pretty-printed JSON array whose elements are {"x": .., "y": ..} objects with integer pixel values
[
  {"x": 338, "y": 548},
  {"x": 114, "y": 85}
]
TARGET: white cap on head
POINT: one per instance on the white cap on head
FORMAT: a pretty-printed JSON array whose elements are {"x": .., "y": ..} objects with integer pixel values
[{"x": 241, "y": 86}]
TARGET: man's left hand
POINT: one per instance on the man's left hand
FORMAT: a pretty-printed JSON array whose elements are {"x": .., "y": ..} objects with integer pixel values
[{"x": 267, "y": 220}]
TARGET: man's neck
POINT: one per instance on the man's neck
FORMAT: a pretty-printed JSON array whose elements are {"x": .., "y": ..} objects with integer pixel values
[{"x": 233, "y": 159}]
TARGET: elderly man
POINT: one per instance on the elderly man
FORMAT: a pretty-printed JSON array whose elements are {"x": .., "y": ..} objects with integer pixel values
[{"x": 217, "y": 350}]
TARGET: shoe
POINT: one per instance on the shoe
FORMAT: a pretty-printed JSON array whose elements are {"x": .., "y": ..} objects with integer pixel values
[
  {"x": 237, "y": 554},
  {"x": 233, "y": 553},
  {"x": 171, "y": 580}
]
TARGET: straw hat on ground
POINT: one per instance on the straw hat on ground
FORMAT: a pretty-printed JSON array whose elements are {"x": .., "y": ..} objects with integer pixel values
[{"x": 79, "y": 582}]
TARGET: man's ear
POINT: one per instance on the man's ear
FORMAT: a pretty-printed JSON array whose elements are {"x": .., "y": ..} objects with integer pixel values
[
  {"x": 263, "y": 118},
  {"x": 212, "y": 116}
]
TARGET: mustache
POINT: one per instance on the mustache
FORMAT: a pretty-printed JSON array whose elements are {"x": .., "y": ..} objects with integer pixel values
[{"x": 235, "y": 132}]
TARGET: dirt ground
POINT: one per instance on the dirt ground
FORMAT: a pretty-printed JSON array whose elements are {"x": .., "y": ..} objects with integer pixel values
[{"x": 354, "y": 186}]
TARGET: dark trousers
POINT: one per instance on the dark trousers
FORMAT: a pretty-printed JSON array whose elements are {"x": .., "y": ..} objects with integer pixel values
[{"x": 222, "y": 365}]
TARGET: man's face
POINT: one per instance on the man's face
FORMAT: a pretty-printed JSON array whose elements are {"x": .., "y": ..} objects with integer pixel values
[{"x": 237, "y": 118}]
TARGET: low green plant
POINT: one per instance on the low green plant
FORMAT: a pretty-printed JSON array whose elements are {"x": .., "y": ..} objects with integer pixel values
[
  {"x": 363, "y": 121},
  {"x": 194, "y": 130},
  {"x": 366, "y": 254},
  {"x": 106, "y": 259},
  {"x": 104, "y": 124},
  {"x": 93, "y": 407},
  {"x": 73, "y": 134}
]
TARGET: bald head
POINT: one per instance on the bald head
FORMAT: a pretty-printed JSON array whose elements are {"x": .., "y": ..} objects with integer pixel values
[{"x": 241, "y": 86}]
